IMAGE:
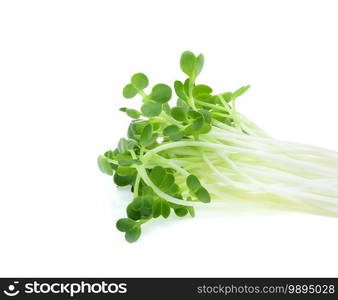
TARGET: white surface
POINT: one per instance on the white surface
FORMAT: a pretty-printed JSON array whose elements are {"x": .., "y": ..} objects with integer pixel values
[{"x": 62, "y": 67}]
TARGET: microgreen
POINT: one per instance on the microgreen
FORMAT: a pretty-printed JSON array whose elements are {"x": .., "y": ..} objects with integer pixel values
[
  {"x": 129, "y": 91},
  {"x": 161, "y": 93},
  {"x": 191, "y": 65},
  {"x": 139, "y": 81},
  {"x": 133, "y": 113},
  {"x": 200, "y": 152}
]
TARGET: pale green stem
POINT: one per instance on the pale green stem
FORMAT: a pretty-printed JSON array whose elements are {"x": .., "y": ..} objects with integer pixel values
[
  {"x": 191, "y": 98},
  {"x": 210, "y": 105},
  {"x": 141, "y": 170},
  {"x": 255, "y": 153},
  {"x": 136, "y": 186}
]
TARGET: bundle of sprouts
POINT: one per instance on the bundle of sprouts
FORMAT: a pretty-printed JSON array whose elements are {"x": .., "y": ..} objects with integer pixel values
[{"x": 201, "y": 152}]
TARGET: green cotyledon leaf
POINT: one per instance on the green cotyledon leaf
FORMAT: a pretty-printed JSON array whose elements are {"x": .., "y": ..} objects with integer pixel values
[
  {"x": 193, "y": 183},
  {"x": 240, "y": 91},
  {"x": 161, "y": 93},
  {"x": 173, "y": 132},
  {"x": 161, "y": 207},
  {"x": 203, "y": 195},
  {"x": 133, "y": 234},
  {"x": 151, "y": 109},
  {"x": 104, "y": 165},
  {"x": 125, "y": 224},
  {"x": 187, "y": 63},
  {"x": 133, "y": 113},
  {"x": 178, "y": 113},
  {"x": 129, "y": 91},
  {"x": 139, "y": 81},
  {"x": 179, "y": 90},
  {"x": 157, "y": 175},
  {"x": 146, "y": 136}
]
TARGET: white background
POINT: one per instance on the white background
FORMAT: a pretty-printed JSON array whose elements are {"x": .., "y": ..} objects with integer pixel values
[{"x": 62, "y": 67}]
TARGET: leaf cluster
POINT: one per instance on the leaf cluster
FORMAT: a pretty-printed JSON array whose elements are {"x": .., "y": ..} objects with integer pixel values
[{"x": 157, "y": 122}]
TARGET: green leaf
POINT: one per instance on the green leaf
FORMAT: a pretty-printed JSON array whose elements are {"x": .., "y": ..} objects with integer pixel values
[
  {"x": 171, "y": 129},
  {"x": 181, "y": 211},
  {"x": 157, "y": 174},
  {"x": 123, "y": 180},
  {"x": 173, "y": 132},
  {"x": 173, "y": 190},
  {"x": 148, "y": 201},
  {"x": 193, "y": 183},
  {"x": 201, "y": 92},
  {"x": 197, "y": 124},
  {"x": 228, "y": 121},
  {"x": 194, "y": 115},
  {"x": 132, "y": 213},
  {"x": 131, "y": 131},
  {"x": 131, "y": 144},
  {"x": 188, "y": 130},
  {"x": 139, "y": 81},
  {"x": 191, "y": 211},
  {"x": 202, "y": 89},
  {"x": 199, "y": 64},
  {"x": 191, "y": 65},
  {"x": 165, "y": 209},
  {"x": 133, "y": 234},
  {"x": 109, "y": 154},
  {"x": 178, "y": 113},
  {"x": 157, "y": 208},
  {"x": 179, "y": 89},
  {"x": 166, "y": 108},
  {"x": 182, "y": 104},
  {"x": 161, "y": 93},
  {"x": 129, "y": 91},
  {"x": 125, "y": 171},
  {"x": 146, "y": 136},
  {"x": 240, "y": 91},
  {"x": 104, "y": 165},
  {"x": 129, "y": 162},
  {"x": 206, "y": 115},
  {"x": 137, "y": 203},
  {"x": 133, "y": 113},
  {"x": 187, "y": 86},
  {"x": 146, "y": 212},
  {"x": 167, "y": 182},
  {"x": 205, "y": 128},
  {"x": 161, "y": 207},
  {"x": 122, "y": 145},
  {"x": 147, "y": 191},
  {"x": 125, "y": 224},
  {"x": 187, "y": 63},
  {"x": 203, "y": 195},
  {"x": 176, "y": 137},
  {"x": 227, "y": 96},
  {"x": 136, "y": 128},
  {"x": 124, "y": 156},
  {"x": 150, "y": 109},
  {"x": 156, "y": 124}
]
